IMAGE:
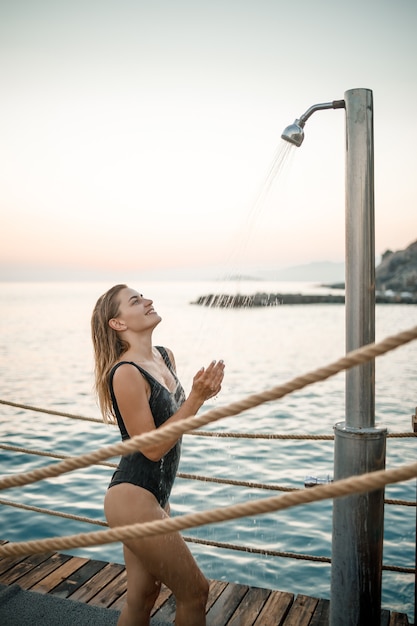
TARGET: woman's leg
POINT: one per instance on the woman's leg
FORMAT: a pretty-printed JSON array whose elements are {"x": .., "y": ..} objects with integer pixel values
[
  {"x": 142, "y": 588},
  {"x": 142, "y": 593},
  {"x": 164, "y": 558}
]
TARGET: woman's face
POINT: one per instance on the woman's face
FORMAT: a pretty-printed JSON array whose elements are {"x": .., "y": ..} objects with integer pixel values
[{"x": 135, "y": 312}]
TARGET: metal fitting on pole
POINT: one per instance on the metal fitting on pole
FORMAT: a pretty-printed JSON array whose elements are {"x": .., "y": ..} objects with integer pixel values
[{"x": 358, "y": 524}]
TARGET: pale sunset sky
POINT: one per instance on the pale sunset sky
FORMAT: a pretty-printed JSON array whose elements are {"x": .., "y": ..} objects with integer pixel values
[{"x": 138, "y": 136}]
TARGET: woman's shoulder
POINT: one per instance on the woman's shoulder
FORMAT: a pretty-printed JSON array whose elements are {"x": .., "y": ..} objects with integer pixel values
[{"x": 124, "y": 368}]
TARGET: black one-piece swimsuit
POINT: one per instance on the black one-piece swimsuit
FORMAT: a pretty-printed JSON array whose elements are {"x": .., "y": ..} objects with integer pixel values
[{"x": 155, "y": 476}]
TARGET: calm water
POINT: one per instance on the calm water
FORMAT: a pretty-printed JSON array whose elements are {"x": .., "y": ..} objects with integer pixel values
[{"x": 46, "y": 361}]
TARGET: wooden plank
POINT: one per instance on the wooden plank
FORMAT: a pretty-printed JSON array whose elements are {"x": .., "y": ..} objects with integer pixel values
[
  {"x": 77, "y": 578},
  {"x": 321, "y": 614},
  {"x": 43, "y": 569},
  {"x": 108, "y": 594},
  {"x": 398, "y": 619},
  {"x": 165, "y": 596},
  {"x": 119, "y": 603},
  {"x": 86, "y": 592},
  {"x": 226, "y": 604},
  {"x": 20, "y": 568},
  {"x": 8, "y": 562},
  {"x": 250, "y": 607},
  {"x": 58, "y": 575},
  {"x": 216, "y": 589},
  {"x": 301, "y": 611},
  {"x": 275, "y": 609},
  {"x": 104, "y": 584},
  {"x": 166, "y": 613}
]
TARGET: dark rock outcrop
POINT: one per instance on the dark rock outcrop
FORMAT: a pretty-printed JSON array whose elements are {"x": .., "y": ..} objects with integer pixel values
[{"x": 398, "y": 271}]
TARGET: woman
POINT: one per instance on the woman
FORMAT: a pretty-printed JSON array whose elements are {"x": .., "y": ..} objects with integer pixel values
[{"x": 137, "y": 386}]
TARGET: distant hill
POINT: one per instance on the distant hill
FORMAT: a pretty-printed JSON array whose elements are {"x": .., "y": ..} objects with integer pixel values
[
  {"x": 321, "y": 271},
  {"x": 398, "y": 270}
]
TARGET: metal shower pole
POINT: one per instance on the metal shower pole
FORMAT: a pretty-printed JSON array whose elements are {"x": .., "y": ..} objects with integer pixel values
[{"x": 358, "y": 520}]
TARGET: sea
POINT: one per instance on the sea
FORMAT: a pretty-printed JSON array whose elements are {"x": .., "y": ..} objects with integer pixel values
[{"x": 46, "y": 361}]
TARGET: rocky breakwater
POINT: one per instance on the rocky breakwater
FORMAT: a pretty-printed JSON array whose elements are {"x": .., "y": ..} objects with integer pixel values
[
  {"x": 395, "y": 279},
  {"x": 229, "y": 301},
  {"x": 236, "y": 301}
]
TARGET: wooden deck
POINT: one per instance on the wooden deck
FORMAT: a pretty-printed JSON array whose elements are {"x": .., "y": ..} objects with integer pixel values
[{"x": 104, "y": 584}]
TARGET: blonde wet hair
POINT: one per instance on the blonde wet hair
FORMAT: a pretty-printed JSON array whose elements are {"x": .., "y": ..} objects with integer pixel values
[{"x": 108, "y": 347}]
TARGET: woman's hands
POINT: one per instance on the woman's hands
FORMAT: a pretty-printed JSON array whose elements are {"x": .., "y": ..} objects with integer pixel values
[
  {"x": 206, "y": 384},
  {"x": 208, "y": 381}
]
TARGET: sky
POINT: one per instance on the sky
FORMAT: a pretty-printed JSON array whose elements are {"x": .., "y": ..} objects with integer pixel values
[{"x": 141, "y": 136}]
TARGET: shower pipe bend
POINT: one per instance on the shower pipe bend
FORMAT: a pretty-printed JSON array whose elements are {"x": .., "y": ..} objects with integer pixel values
[{"x": 335, "y": 104}]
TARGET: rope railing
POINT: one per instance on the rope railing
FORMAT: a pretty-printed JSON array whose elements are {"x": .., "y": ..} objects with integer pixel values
[
  {"x": 356, "y": 484},
  {"x": 29, "y": 407},
  {"x": 201, "y": 433},
  {"x": 206, "y": 542},
  {"x": 38, "y": 509},
  {"x": 52, "y": 455},
  {"x": 288, "y": 436},
  {"x": 263, "y": 551},
  {"x": 170, "y": 431},
  {"x": 349, "y": 486},
  {"x": 289, "y": 555},
  {"x": 186, "y": 476}
]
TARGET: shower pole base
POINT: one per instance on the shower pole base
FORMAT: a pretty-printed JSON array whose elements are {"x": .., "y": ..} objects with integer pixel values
[{"x": 358, "y": 528}]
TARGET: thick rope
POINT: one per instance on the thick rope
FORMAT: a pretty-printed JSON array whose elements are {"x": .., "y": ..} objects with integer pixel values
[
  {"x": 28, "y": 407},
  {"x": 356, "y": 357},
  {"x": 52, "y": 455},
  {"x": 348, "y": 486},
  {"x": 201, "y": 433},
  {"x": 223, "y": 481},
  {"x": 38, "y": 509},
  {"x": 206, "y": 542},
  {"x": 287, "y": 555},
  {"x": 289, "y": 436},
  {"x": 187, "y": 476},
  {"x": 268, "y": 436}
]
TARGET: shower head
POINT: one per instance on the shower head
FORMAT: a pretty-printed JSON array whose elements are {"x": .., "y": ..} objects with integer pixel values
[{"x": 294, "y": 133}]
